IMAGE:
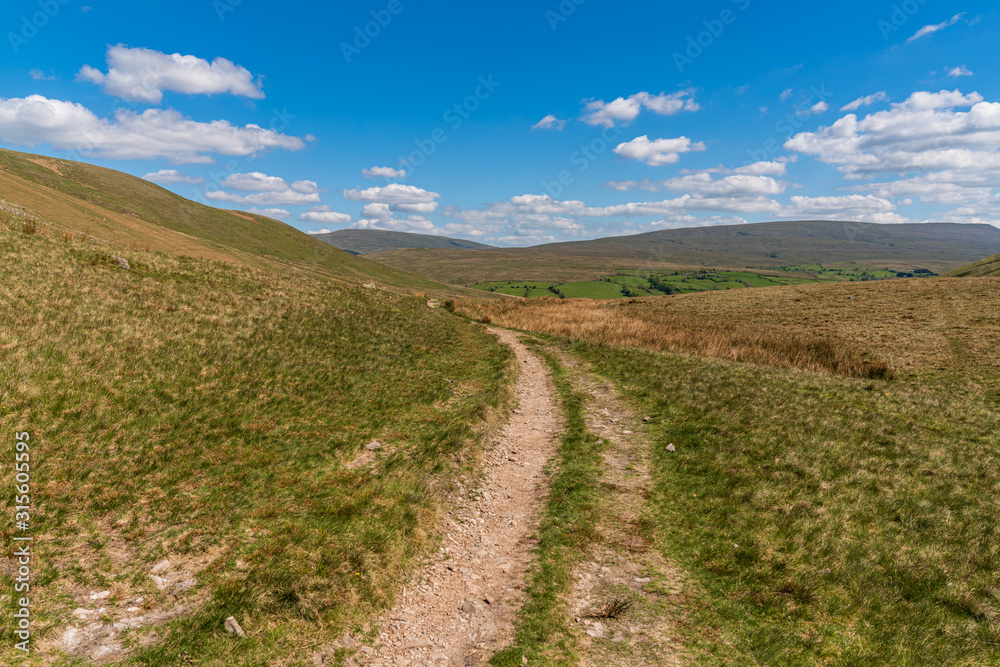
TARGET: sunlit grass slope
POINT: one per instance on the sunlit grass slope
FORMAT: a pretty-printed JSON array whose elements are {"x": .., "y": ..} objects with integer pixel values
[{"x": 207, "y": 413}]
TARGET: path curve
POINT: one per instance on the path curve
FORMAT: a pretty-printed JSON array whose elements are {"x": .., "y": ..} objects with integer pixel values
[{"x": 461, "y": 605}]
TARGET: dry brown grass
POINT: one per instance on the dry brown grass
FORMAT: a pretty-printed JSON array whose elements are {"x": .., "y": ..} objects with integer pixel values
[{"x": 611, "y": 324}]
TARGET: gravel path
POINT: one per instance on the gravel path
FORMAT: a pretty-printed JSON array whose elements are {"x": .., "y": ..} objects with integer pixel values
[{"x": 460, "y": 606}]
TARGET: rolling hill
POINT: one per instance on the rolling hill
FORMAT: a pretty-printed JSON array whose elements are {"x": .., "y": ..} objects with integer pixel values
[
  {"x": 367, "y": 241},
  {"x": 197, "y": 388},
  {"x": 941, "y": 246},
  {"x": 797, "y": 246},
  {"x": 122, "y": 211},
  {"x": 985, "y": 268}
]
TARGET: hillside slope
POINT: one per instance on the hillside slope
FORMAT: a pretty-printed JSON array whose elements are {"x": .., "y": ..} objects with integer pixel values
[
  {"x": 940, "y": 246},
  {"x": 213, "y": 417},
  {"x": 367, "y": 241},
  {"x": 985, "y": 268},
  {"x": 131, "y": 212}
]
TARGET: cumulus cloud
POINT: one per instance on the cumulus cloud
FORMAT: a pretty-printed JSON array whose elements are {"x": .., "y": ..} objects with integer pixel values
[
  {"x": 169, "y": 176},
  {"x": 658, "y": 152},
  {"x": 625, "y": 110},
  {"x": 867, "y": 100},
  {"x": 961, "y": 70},
  {"x": 867, "y": 208},
  {"x": 155, "y": 133},
  {"x": 325, "y": 215},
  {"x": 931, "y": 29},
  {"x": 142, "y": 75},
  {"x": 39, "y": 75},
  {"x": 413, "y": 223},
  {"x": 925, "y": 133},
  {"x": 383, "y": 172},
  {"x": 256, "y": 181},
  {"x": 287, "y": 197},
  {"x": 276, "y": 213},
  {"x": 550, "y": 122},
  {"x": 819, "y": 107},
  {"x": 398, "y": 197}
]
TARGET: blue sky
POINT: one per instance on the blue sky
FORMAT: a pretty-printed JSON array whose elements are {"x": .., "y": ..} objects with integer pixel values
[{"x": 521, "y": 122}]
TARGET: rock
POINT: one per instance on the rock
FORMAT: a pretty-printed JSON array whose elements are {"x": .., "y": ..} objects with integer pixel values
[
  {"x": 162, "y": 566},
  {"x": 347, "y": 641},
  {"x": 233, "y": 627},
  {"x": 627, "y": 432},
  {"x": 642, "y": 580},
  {"x": 183, "y": 585},
  {"x": 368, "y": 285},
  {"x": 596, "y": 630},
  {"x": 100, "y": 596},
  {"x": 671, "y": 448},
  {"x": 160, "y": 582},
  {"x": 469, "y": 608},
  {"x": 319, "y": 659},
  {"x": 120, "y": 261},
  {"x": 647, "y": 419},
  {"x": 373, "y": 445},
  {"x": 82, "y": 613},
  {"x": 524, "y": 660},
  {"x": 133, "y": 610},
  {"x": 421, "y": 642},
  {"x": 488, "y": 600}
]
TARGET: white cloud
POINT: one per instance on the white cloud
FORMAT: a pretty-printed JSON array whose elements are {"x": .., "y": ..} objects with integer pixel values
[
  {"x": 931, "y": 29},
  {"x": 413, "y": 223},
  {"x": 39, "y": 75},
  {"x": 397, "y": 196},
  {"x": 866, "y": 208},
  {"x": 155, "y": 133},
  {"x": 819, "y": 107},
  {"x": 961, "y": 70},
  {"x": 625, "y": 110},
  {"x": 786, "y": 94},
  {"x": 276, "y": 213},
  {"x": 550, "y": 122},
  {"x": 923, "y": 134},
  {"x": 142, "y": 75},
  {"x": 867, "y": 100},
  {"x": 383, "y": 172},
  {"x": 168, "y": 176},
  {"x": 256, "y": 181},
  {"x": 321, "y": 231},
  {"x": 324, "y": 215},
  {"x": 776, "y": 168},
  {"x": 287, "y": 197},
  {"x": 658, "y": 152}
]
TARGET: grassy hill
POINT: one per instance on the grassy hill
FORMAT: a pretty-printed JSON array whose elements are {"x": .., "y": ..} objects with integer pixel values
[
  {"x": 210, "y": 406},
  {"x": 989, "y": 267},
  {"x": 367, "y": 241},
  {"x": 799, "y": 246},
  {"x": 124, "y": 211},
  {"x": 941, "y": 246}
]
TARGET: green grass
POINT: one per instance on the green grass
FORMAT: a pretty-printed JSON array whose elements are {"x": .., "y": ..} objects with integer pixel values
[
  {"x": 201, "y": 412},
  {"x": 830, "y": 521},
  {"x": 542, "y": 633},
  {"x": 526, "y": 288},
  {"x": 591, "y": 289}
]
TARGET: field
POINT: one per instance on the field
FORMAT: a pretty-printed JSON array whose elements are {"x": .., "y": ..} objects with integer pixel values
[
  {"x": 825, "y": 519},
  {"x": 216, "y": 416}
]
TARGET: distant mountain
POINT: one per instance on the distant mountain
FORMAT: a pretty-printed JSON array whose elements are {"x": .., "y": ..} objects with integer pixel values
[
  {"x": 368, "y": 241},
  {"x": 941, "y": 246},
  {"x": 985, "y": 268}
]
